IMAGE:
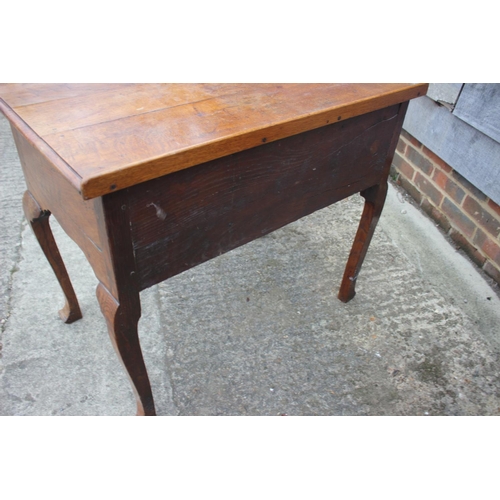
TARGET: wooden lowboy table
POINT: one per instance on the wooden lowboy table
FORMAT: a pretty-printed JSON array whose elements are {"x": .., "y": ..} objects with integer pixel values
[{"x": 151, "y": 180}]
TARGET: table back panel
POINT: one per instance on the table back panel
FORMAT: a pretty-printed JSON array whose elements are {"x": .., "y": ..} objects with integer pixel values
[{"x": 191, "y": 216}]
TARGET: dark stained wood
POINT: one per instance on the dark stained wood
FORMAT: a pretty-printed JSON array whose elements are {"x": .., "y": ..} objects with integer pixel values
[
  {"x": 122, "y": 328},
  {"x": 39, "y": 222},
  {"x": 374, "y": 203},
  {"x": 114, "y": 147},
  {"x": 121, "y": 305},
  {"x": 186, "y": 218}
]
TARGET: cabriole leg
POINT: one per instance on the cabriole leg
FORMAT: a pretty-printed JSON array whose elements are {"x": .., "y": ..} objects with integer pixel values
[
  {"x": 122, "y": 322},
  {"x": 39, "y": 221},
  {"x": 374, "y": 203}
]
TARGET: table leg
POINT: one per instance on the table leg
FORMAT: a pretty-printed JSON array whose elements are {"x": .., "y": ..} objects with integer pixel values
[
  {"x": 39, "y": 221},
  {"x": 374, "y": 203},
  {"x": 122, "y": 322}
]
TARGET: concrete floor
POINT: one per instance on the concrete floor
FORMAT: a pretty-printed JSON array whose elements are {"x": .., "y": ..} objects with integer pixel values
[{"x": 259, "y": 331}]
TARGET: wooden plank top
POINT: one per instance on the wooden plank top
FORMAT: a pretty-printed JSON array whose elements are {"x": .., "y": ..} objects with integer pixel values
[{"x": 105, "y": 137}]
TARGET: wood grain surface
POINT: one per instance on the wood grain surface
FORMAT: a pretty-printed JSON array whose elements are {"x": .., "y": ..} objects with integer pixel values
[
  {"x": 108, "y": 137},
  {"x": 185, "y": 218}
]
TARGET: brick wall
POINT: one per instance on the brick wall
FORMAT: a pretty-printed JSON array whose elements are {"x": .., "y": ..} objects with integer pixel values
[{"x": 463, "y": 212}]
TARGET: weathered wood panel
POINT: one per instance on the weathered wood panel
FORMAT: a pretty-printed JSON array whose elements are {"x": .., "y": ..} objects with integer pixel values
[
  {"x": 466, "y": 149},
  {"x": 193, "y": 215},
  {"x": 479, "y": 106},
  {"x": 445, "y": 93}
]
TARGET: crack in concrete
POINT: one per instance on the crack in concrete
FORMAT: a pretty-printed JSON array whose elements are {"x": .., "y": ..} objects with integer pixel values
[
  {"x": 12, "y": 271},
  {"x": 168, "y": 365}
]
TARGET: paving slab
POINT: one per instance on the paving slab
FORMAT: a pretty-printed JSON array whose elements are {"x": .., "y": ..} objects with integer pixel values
[{"x": 259, "y": 330}]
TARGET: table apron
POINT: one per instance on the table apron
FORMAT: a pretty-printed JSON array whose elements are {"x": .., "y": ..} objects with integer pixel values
[
  {"x": 81, "y": 219},
  {"x": 188, "y": 217}
]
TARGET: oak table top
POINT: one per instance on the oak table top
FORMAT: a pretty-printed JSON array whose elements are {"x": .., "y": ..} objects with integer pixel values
[
  {"x": 151, "y": 180},
  {"x": 112, "y": 136}
]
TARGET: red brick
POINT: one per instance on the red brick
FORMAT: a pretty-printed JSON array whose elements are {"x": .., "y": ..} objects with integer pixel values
[
  {"x": 455, "y": 192},
  {"x": 492, "y": 271},
  {"x": 466, "y": 246},
  {"x": 479, "y": 195},
  {"x": 484, "y": 218},
  {"x": 427, "y": 207},
  {"x": 494, "y": 206},
  {"x": 411, "y": 139},
  {"x": 412, "y": 190},
  {"x": 435, "y": 159},
  {"x": 401, "y": 147},
  {"x": 457, "y": 218},
  {"x": 436, "y": 214},
  {"x": 489, "y": 247},
  {"x": 404, "y": 167},
  {"x": 419, "y": 160},
  {"x": 426, "y": 186},
  {"x": 440, "y": 178}
]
